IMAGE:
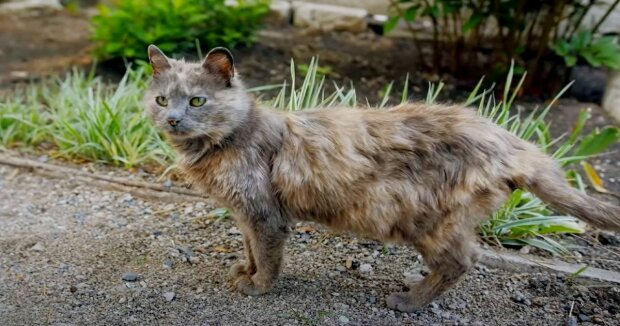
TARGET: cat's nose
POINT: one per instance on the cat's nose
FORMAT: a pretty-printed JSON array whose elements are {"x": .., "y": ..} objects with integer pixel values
[{"x": 173, "y": 121}]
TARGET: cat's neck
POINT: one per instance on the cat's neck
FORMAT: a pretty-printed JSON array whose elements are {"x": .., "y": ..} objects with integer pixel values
[{"x": 260, "y": 127}]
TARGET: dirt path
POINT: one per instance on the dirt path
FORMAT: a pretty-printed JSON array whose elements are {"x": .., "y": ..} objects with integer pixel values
[{"x": 65, "y": 246}]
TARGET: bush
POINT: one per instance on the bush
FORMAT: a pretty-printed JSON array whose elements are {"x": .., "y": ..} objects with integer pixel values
[
  {"x": 528, "y": 31},
  {"x": 176, "y": 26}
]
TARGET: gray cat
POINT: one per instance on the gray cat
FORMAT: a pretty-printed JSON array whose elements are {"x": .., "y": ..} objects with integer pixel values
[{"x": 415, "y": 174}]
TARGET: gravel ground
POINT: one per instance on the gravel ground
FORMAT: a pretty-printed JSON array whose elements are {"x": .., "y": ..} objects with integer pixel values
[{"x": 71, "y": 254}]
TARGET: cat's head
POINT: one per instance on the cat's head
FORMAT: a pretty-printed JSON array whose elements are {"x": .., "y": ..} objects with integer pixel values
[{"x": 196, "y": 99}]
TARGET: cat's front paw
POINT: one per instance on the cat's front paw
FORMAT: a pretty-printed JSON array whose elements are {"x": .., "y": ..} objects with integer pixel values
[
  {"x": 246, "y": 285},
  {"x": 402, "y": 301}
]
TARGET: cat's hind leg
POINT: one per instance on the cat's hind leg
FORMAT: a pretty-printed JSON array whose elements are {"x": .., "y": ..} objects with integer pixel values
[{"x": 449, "y": 253}]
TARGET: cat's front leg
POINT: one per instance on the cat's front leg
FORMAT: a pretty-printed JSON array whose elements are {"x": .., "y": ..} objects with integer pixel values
[{"x": 264, "y": 240}]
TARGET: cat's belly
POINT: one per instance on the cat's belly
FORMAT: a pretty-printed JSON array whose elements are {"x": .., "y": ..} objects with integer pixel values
[{"x": 387, "y": 211}]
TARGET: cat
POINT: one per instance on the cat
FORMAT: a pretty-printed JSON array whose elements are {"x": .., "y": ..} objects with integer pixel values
[{"x": 419, "y": 175}]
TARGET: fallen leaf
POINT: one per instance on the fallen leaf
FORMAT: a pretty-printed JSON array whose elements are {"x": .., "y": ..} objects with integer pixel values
[
  {"x": 222, "y": 249},
  {"x": 595, "y": 180}
]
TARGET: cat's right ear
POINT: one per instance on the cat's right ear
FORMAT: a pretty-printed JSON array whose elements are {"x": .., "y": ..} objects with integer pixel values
[{"x": 158, "y": 60}]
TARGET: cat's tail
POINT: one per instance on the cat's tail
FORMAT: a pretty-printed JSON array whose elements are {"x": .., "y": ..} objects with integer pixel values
[{"x": 546, "y": 180}]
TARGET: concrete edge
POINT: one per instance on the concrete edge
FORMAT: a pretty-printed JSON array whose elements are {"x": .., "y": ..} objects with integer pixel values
[{"x": 528, "y": 263}]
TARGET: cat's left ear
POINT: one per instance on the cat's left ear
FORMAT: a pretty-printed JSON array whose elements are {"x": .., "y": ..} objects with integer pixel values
[
  {"x": 219, "y": 61},
  {"x": 158, "y": 60}
]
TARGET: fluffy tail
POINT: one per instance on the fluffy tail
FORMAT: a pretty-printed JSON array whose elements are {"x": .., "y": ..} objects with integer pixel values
[{"x": 547, "y": 182}]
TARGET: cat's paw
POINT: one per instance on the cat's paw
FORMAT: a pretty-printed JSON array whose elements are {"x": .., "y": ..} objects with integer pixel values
[
  {"x": 237, "y": 270},
  {"x": 246, "y": 285},
  {"x": 402, "y": 301}
]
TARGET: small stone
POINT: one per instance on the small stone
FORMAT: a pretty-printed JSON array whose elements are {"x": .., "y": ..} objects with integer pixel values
[
  {"x": 143, "y": 284},
  {"x": 169, "y": 296},
  {"x": 351, "y": 263},
  {"x": 168, "y": 263},
  {"x": 38, "y": 247},
  {"x": 43, "y": 158},
  {"x": 583, "y": 317},
  {"x": 372, "y": 300},
  {"x": 234, "y": 231},
  {"x": 130, "y": 277},
  {"x": 168, "y": 183},
  {"x": 341, "y": 268},
  {"x": 525, "y": 250},
  {"x": 343, "y": 320},
  {"x": 194, "y": 260},
  {"x": 340, "y": 306},
  {"x": 520, "y": 298},
  {"x": 365, "y": 268},
  {"x": 122, "y": 300},
  {"x": 572, "y": 321}
]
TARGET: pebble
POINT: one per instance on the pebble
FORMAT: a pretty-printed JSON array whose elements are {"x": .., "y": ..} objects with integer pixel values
[
  {"x": 583, "y": 317},
  {"x": 234, "y": 231},
  {"x": 130, "y": 277},
  {"x": 365, "y": 268},
  {"x": 343, "y": 320},
  {"x": 351, "y": 263},
  {"x": 38, "y": 247},
  {"x": 168, "y": 263},
  {"x": 169, "y": 296},
  {"x": 520, "y": 298},
  {"x": 572, "y": 321}
]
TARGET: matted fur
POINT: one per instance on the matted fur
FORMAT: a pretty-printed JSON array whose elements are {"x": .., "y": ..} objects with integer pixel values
[{"x": 414, "y": 174}]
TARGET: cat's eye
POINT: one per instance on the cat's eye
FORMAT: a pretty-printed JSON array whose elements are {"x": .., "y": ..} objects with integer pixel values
[
  {"x": 197, "y": 101},
  {"x": 162, "y": 101}
]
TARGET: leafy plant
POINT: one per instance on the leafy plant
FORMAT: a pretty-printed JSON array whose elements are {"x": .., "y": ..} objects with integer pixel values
[
  {"x": 603, "y": 51},
  {"x": 126, "y": 29},
  {"x": 527, "y": 31}
]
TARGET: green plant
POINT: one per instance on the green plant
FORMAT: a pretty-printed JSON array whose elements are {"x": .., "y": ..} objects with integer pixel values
[
  {"x": 125, "y": 30},
  {"x": 603, "y": 51},
  {"x": 80, "y": 117}
]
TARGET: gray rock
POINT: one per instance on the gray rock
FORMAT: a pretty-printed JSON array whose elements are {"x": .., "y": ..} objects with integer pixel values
[
  {"x": 168, "y": 263},
  {"x": 518, "y": 297},
  {"x": 583, "y": 317},
  {"x": 572, "y": 321},
  {"x": 365, "y": 268},
  {"x": 39, "y": 247},
  {"x": 130, "y": 277},
  {"x": 343, "y": 320},
  {"x": 169, "y": 296}
]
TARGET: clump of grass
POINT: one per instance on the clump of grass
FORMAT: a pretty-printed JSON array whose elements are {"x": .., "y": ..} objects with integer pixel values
[{"x": 80, "y": 117}]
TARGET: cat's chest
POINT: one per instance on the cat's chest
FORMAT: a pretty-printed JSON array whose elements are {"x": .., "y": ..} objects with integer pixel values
[{"x": 228, "y": 176}]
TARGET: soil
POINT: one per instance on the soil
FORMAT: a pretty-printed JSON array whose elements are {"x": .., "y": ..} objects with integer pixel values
[{"x": 67, "y": 246}]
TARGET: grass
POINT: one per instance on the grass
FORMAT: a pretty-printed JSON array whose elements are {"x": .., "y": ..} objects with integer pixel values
[{"x": 79, "y": 117}]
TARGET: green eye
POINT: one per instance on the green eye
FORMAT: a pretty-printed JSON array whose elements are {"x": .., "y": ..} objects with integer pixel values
[
  {"x": 161, "y": 101},
  {"x": 197, "y": 101}
]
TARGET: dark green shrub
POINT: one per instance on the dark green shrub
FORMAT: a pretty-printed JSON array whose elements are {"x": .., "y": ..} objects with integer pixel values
[{"x": 176, "y": 26}]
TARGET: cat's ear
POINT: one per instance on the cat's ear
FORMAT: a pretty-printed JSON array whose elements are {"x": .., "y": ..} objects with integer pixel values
[
  {"x": 158, "y": 60},
  {"x": 219, "y": 61}
]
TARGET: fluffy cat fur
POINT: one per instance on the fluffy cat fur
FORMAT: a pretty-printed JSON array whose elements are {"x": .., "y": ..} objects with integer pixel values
[{"x": 414, "y": 174}]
